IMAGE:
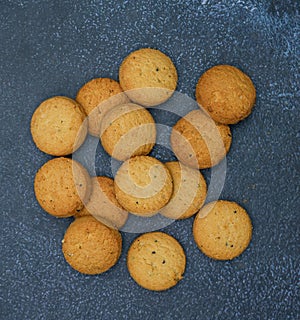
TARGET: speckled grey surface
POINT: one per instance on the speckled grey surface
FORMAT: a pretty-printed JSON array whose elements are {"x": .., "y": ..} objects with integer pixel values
[{"x": 52, "y": 48}]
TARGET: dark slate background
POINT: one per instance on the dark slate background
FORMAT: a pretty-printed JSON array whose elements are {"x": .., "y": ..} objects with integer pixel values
[{"x": 52, "y": 48}]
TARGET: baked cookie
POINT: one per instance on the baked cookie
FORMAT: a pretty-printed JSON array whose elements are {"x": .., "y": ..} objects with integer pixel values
[
  {"x": 198, "y": 141},
  {"x": 128, "y": 130},
  {"x": 58, "y": 126},
  {"x": 222, "y": 230},
  {"x": 148, "y": 77},
  {"x": 143, "y": 185},
  {"x": 91, "y": 247},
  {"x": 156, "y": 261},
  {"x": 103, "y": 204},
  {"x": 189, "y": 191},
  {"x": 62, "y": 186},
  {"x": 226, "y": 93},
  {"x": 97, "y": 97}
]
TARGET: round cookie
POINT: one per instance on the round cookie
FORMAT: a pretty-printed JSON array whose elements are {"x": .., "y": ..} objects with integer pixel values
[
  {"x": 91, "y": 247},
  {"x": 226, "y": 93},
  {"x": 156, "y": 261},
  {"x": 148, "y": 76},
  {"x": 222, "y": 230},
  {"x": 143, "y": 185},
  {"x": 189, "y": 191},
  {"x": 128, "y": 130},
  {"x": 198, "y": 141},
  {"x": 58, "y": 126},
  {"x": 62, "y": 186},
  {"x": 97, "y": 97},
  {"x": 103, "y": 204}
]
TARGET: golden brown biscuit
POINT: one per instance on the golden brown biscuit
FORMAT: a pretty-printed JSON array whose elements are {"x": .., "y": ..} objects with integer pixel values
[
  {"x": 128, "y": 130},
  {"x": 222, "y": 230},
  {"x": 148, "y": 76},
  {"x": 198, "y": 141},
  {"x": 226, "y": 93},
  {"x": 97, "y": 97},
  {"x": 189, "y": 191},
  {"x": 58, "y": 126},
  {"x": 91, "y": 247},
  {"x": 103, "y": 204},
  {"x": 143, "y": 185},
  {"x": 156, "y": 261},
  {"x": 62, "y": 186}
]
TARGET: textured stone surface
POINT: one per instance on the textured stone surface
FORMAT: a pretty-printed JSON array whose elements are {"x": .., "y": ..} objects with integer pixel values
[{"x": 52, "y": 48}]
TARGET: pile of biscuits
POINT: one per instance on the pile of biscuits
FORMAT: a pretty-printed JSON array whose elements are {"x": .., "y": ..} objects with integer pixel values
[{"x": 117, "y": 114}]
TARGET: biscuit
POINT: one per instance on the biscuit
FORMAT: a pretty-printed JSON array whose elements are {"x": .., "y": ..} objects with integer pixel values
[
  {"x": 222, "y": 230},
  {"x": 62, "y": 186},
  {"x": 189, "y": 191},
  {"x": 128, "y": 130},
  {"x": 198, "y": 141},
  {"x": 143, "y": 185},
  {"x": 91, "y": 247},
  {"x": 156, "y": 261},
  {"x": 58, "y": 126},
  {"x": 103, "y": 204},
  {"x": 97, "y": 97},
  {"x": 148, "y": 77},
  {"x": 226, "y": 93}
]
